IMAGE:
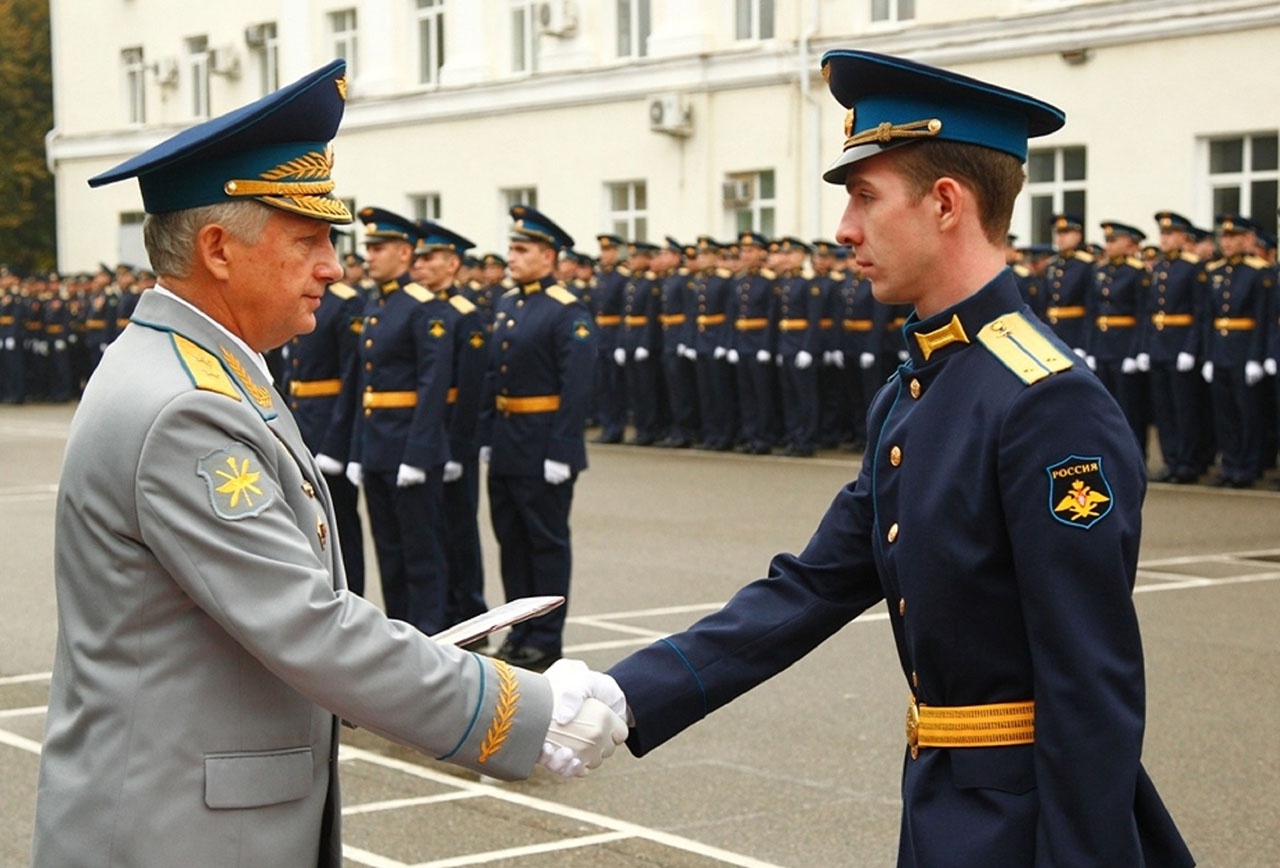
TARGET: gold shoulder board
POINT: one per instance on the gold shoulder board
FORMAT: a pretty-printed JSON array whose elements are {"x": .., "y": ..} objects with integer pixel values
[
  {"x": 1021, "y": 270},
  {"x": 1015, "y": 342},
  {"x": 342, "y": 291},
  {"x": 1216, "y": 264},
  {"x": 511, "y": 292},
  {"x": 562, "y": 295},
  {"x": 203, "y": 367},
  {"x": 723, "y": 272},
  {"x": 1135, "y": 262},
  {"x": 768, "y": 274},
  {"x": 462, "y": 305},
  {"x": 1188, "y": 256},
  {"x": 419, "y": 292},
  {"x": 1256, "y": 262},
  {"x": 1084, "y": 257},
  {"x": 624, "y": 271}
]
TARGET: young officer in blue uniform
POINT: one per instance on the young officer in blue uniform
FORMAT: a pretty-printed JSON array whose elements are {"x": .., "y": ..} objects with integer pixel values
[
  {"x": 755, "y": 336},
  {"x": 1066, "y": 280},
  {"x": 997, "y": 511},
  {"x": 606, "y": 304},
  {"x": 544, "y": 347},
  {"x": 1118, "y": 292}
]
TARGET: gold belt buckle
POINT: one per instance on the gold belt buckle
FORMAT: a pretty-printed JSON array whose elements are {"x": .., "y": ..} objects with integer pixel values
[{"x": 913, "y": 728}]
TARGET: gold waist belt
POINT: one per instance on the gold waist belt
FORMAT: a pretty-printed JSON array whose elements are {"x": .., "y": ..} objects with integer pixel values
[
  {"x": 750, "y": 324},
  {"x": 710, "y": 319},
  {"x": 315, "y": 388},
  {"x": 1234, "y": 324},
  {"x": 635, "y": 320},
  {"x": 1173, "y": 319},
  {"x": 995, "y": 725},
  {"x": 6, "y": 320},
  {"x": 451, "y": 397},
  {"x": 1074, "y": 312},
  {"x": 527, "y": 404},
  {"x": 606, "y": 320},
  {"x": 1111, "y": 322},
  {"x": 390, "y": 400},
  {"x": 826, "y": 323},
  {"x": 95, "y": 324},
  {"x": 857, "y": 325},
  {"x": 793, "y": 325},
  {"x": 53, "y": 329},
  {"x": 668, "y": 319}
]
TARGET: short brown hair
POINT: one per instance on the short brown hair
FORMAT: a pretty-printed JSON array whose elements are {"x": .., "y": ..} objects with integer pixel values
[{"x": 995, "y": 178}]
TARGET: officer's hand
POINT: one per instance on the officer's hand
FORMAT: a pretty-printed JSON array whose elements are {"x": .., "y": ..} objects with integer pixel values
[
  {"x": 719, "y": 353},
  {"x": 1269, "y": 365},
  {"x": 61, "y": 345},
  {"x": 803, "y": 360},
  {"x": 1185, "y": 362},
  {"x": 1144, "y": 362},
  {"x": 837, "y": 358},
  {"x": 572, "y": 682},
  {"x": 732, "y": 356},
  {"x": 407, "y": 476},
  {"x": 1252, "y": 373},
  {"x": 691, "y": 354},
  {"x": 620, "y": 356},
  {"x": 355, "y": 473},
  {"x": 1206, "y": 371},
  {"x": 680, "y": 349},
  {"x": 1129, "y": 366},
  {"x": 1092, "y": 362},
  {"x": 1080, "y": 352},
  {"x": 555, "y": 472},
  {"x": 485, "y": 453},
  {"x": 586, "y": 741},
  {"x": 903, "y": 355},
  {"x": 866, "y": 360},
  {"x": 764, "y": 357},
  {"x": 452, "y": 471},
  {"x": 329, "y": 466},
  {"x": 641, "y": 354}
]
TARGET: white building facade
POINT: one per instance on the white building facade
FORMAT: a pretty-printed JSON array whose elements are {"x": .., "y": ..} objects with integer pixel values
[{"x": 667, "y": 117}]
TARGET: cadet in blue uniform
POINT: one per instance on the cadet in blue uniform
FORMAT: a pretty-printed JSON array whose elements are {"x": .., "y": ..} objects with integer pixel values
[
  {"x": 679, "y": 375},
  {"x": 544, "y": 347},
  {"x": 800, "y": 306},
  {"x": 712, "y": 338},
  {"x": 639, "y": 343},
  {"x": 1168, "y": 345},
  {"x": 1239, "y": 304},
  {"x": 1067, "y": 279},
  {"x": 755, "y": 337},
  {"x": 862, "y": 331},
  {"x": 438, "y": 257},
  {"x": 997, "y": 510},
  {"x": 12, "y": 386},
  {"x": 1116, "y": 295},
  {"x": 609, "y": 386},
  {"x": 400, "y": 441}
]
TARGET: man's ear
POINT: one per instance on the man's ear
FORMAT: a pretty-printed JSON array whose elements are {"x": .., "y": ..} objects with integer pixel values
[
  {"x": 211, "y": 250},
  {"x": 950, "y": 202}
]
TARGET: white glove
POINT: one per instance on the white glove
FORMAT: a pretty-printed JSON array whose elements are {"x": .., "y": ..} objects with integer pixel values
[
  {"x": 641, "y": 354},
  {"x": 764, "y": 357},
  {"x": 355, "y": 473},
  {"x": 1129, "y": 366},
  {"x": 10, "y": 343},
  {"x": 1269, "y": 365},
  {"x": 837, "y": 358},
  {"x": 777, "y": 360},
  {"x": 584, "y": 742},
  {"x": 680, "y": 348},
  {"x": 452, "y": 471},
  {"x": 620, "y": 356},
  {"x": 691, "y": 354},
  {"x": 60, "y": 345},
  {"x": 1185, "y": 362},
  {"x": 866, "y": 360},
  {"x": 328, "y": 466},
  {"x": 903, "y": 355},
  {"x": 1092, "y": 362},
  {"x": 717, "y": 353},
  {"x": 407, "y": 476},
  {"x": 1079, "y": 352},
  {"x": 555, "y": 472},
  {"x": 732, "y": 356},
  {"x": 572, "y": 682},
  {"x": 485, "y": 453},
  {"x": 1144, "y": 362},
  {"x": 1252, "y": 373},
  {"x": 803, "y": 360},
  {"x": 1206, "y": 371}
]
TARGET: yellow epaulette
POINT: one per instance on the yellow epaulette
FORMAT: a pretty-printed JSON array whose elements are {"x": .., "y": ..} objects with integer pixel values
[
  {"x": 768, "y": 274},
  {"x": 1135, "y": 262},
  {"x": 1215, "y": 265},
  {"x": 508, "y": 283},
  {"x": 342, "y": 291},
  {"x": 1257, "y": 262},
  {"x": 203, "y": 367},
  {"x": 1188, "y": 256},
  {"x": 1020, "y": 270},
  {"x": 807, "y": 273},
  {"x": 560, "y": 294},
  {"x": 475, "y": 285},
  {"x": 1022, "y": 349},
  {"x": 682, "y": 271},
  {"x": 515, "y": 290},
  {"x": 723, "y": 272},
  {"x": 623, "y": 270},
  {"x": 836, "y": 274},
  {"x": 418, "y": 292},
  {"x": 462, "y": 305},
  {"x": 650, "y": 275},
  {"x": 1082, "y": 256}
]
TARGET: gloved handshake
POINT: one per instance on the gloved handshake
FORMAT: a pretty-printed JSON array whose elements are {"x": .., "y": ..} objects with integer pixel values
[{"x": 587, "y": 722}]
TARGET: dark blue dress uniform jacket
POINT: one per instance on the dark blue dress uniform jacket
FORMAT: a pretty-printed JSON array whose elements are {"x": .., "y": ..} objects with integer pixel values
[
  {"x": 1178, "y": 290},
  {"x": 328, "y": 352},
  {"x": 1004, "y": 583},
  {"x": 1066, "y": 281}
]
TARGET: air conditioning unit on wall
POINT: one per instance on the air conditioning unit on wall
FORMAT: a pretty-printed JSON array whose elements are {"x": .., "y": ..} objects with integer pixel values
[
  {"x": 737, "y": 192},
  {"x": 558, "y": 18},
  {"x": 667, "y": 114}
]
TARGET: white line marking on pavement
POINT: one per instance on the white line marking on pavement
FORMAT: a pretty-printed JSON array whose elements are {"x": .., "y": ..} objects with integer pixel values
[
  {"x": 25, "y": 679},
  {"x": 394, "y": 804},
  {"x": 28, "y": 492},
  {"x": 29, "y": 711},
  {"x": 529, "y": 850},
  {"x": 15, "y": 740}
]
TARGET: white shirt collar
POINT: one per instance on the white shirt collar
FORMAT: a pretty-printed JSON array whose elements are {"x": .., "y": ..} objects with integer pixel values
[{"x": 256, "y": 356}]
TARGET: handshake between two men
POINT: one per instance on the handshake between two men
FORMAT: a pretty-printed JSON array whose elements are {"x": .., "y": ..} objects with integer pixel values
[{"x": 587, "y": 720}]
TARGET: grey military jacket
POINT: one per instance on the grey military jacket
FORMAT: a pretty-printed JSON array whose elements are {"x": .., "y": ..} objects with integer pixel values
[{"x": 207, "y": 645}]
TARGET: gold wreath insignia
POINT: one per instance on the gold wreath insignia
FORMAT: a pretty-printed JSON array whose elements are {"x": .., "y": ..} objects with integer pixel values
[{"x": 504, "y": 713}]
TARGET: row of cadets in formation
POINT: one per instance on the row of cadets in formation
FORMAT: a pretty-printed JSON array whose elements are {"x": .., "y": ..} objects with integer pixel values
[
  {"x": 1184, "y": 334},
  {"x": 410, "y": 377},
  {"x": 54, "y": 329}
]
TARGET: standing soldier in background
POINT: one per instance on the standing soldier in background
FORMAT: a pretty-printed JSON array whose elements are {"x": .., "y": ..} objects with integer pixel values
[
  {"x": 832, "y": 423},
  {"x": 437, "y": 258},
  {"x": 800, "y": 306},
  {"x": 754, "y": 316},
  {"x": 639, "y": 341},
  {"x": 1240, "y": 287},
  {"x": 357, "y": 277},
  {"x": 676, "y": 315},
  {"x": 399, "y": 442},
  {"x": 861, "y": 321},
  {"x": 609, "y": 386},
  {"x": 493, "y": 283},
  {"x": 57, "y": 331},
  {"x": 1067, "y": 279},
  {"x": 1168, "y": 344},
  {"x": 1116, "y": 295},
  {"x": 12, "y": 367},
  {"x": 543, "y": 354},
  {"x": 712, "y": 337}
]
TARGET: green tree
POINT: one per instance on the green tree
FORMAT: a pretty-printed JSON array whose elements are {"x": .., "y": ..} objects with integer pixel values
[{"x": 27, "y": 221}]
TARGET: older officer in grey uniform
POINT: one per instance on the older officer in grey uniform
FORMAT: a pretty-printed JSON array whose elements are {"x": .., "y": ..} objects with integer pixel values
[{"x": 207, "y": 643}]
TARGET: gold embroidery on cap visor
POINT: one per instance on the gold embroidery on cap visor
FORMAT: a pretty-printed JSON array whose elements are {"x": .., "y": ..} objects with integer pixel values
[
  {"x": 303, "y": 186},
  {"x": 886, "y": 132}
]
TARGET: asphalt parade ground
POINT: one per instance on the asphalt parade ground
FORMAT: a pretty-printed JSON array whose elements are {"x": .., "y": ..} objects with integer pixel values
[{"x": 801, "y": 772}]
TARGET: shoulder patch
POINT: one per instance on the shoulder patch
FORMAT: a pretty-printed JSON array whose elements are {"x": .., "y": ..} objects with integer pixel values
[
  {"x": 203, "y": 367},
  {"x": 342, "y": 291},
  {"x": 1015, "y": 342},
  {"x": 461, "y": 304},
  {"x": 562, "y": 295},
  {"x": 1079, "y": 494},
  {"x": 237, "y": 488},
  {"x": 418, "y": 292}
]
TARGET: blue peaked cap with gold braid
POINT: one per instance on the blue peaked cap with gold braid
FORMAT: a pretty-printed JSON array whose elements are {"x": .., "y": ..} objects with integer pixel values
[
  {"x": 893, "y": 101},
  {"x": 532, "y": 224},
  {"x": 275, "y": 150}
]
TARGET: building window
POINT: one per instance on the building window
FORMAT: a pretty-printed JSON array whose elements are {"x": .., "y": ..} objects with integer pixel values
[
  {"x": 628, "y": 209},
  {"x": 430, "y": 40},
  {"x": 750, "y": 199},
  {"x": 633, "y": 28},
  {"x": 264, "y": 46},
  {"x": 524, "y": 36},
  {"x": 1244, "y": 173},
  {"x": 515, "y": 196},
  {"x": 342, "y": 28},
  {"x": 425, "y": 206},
  {"x": 198, "y": 67},
  {"x": 1055, "y": 184},
  {"x": 753, "y": 19},
  {"x": 893, "y": 10},
  {"x": 135, "y": 85}
]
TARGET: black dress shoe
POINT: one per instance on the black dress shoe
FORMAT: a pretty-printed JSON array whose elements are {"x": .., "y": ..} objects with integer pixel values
[
  {"x": 1219, "y": 482},
  {"x": 607, "y": 438},
  {"x": 529, "y": 657},
  {"x": 640, "y": 441},
  {"x": 1165, "y": 475}
]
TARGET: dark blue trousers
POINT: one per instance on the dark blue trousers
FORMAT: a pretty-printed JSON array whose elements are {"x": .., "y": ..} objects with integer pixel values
[{"x": 407, "y": 531}]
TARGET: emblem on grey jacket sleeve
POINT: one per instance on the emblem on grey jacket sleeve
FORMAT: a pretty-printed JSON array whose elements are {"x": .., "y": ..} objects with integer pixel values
[{"x": 237, "y": 487}]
